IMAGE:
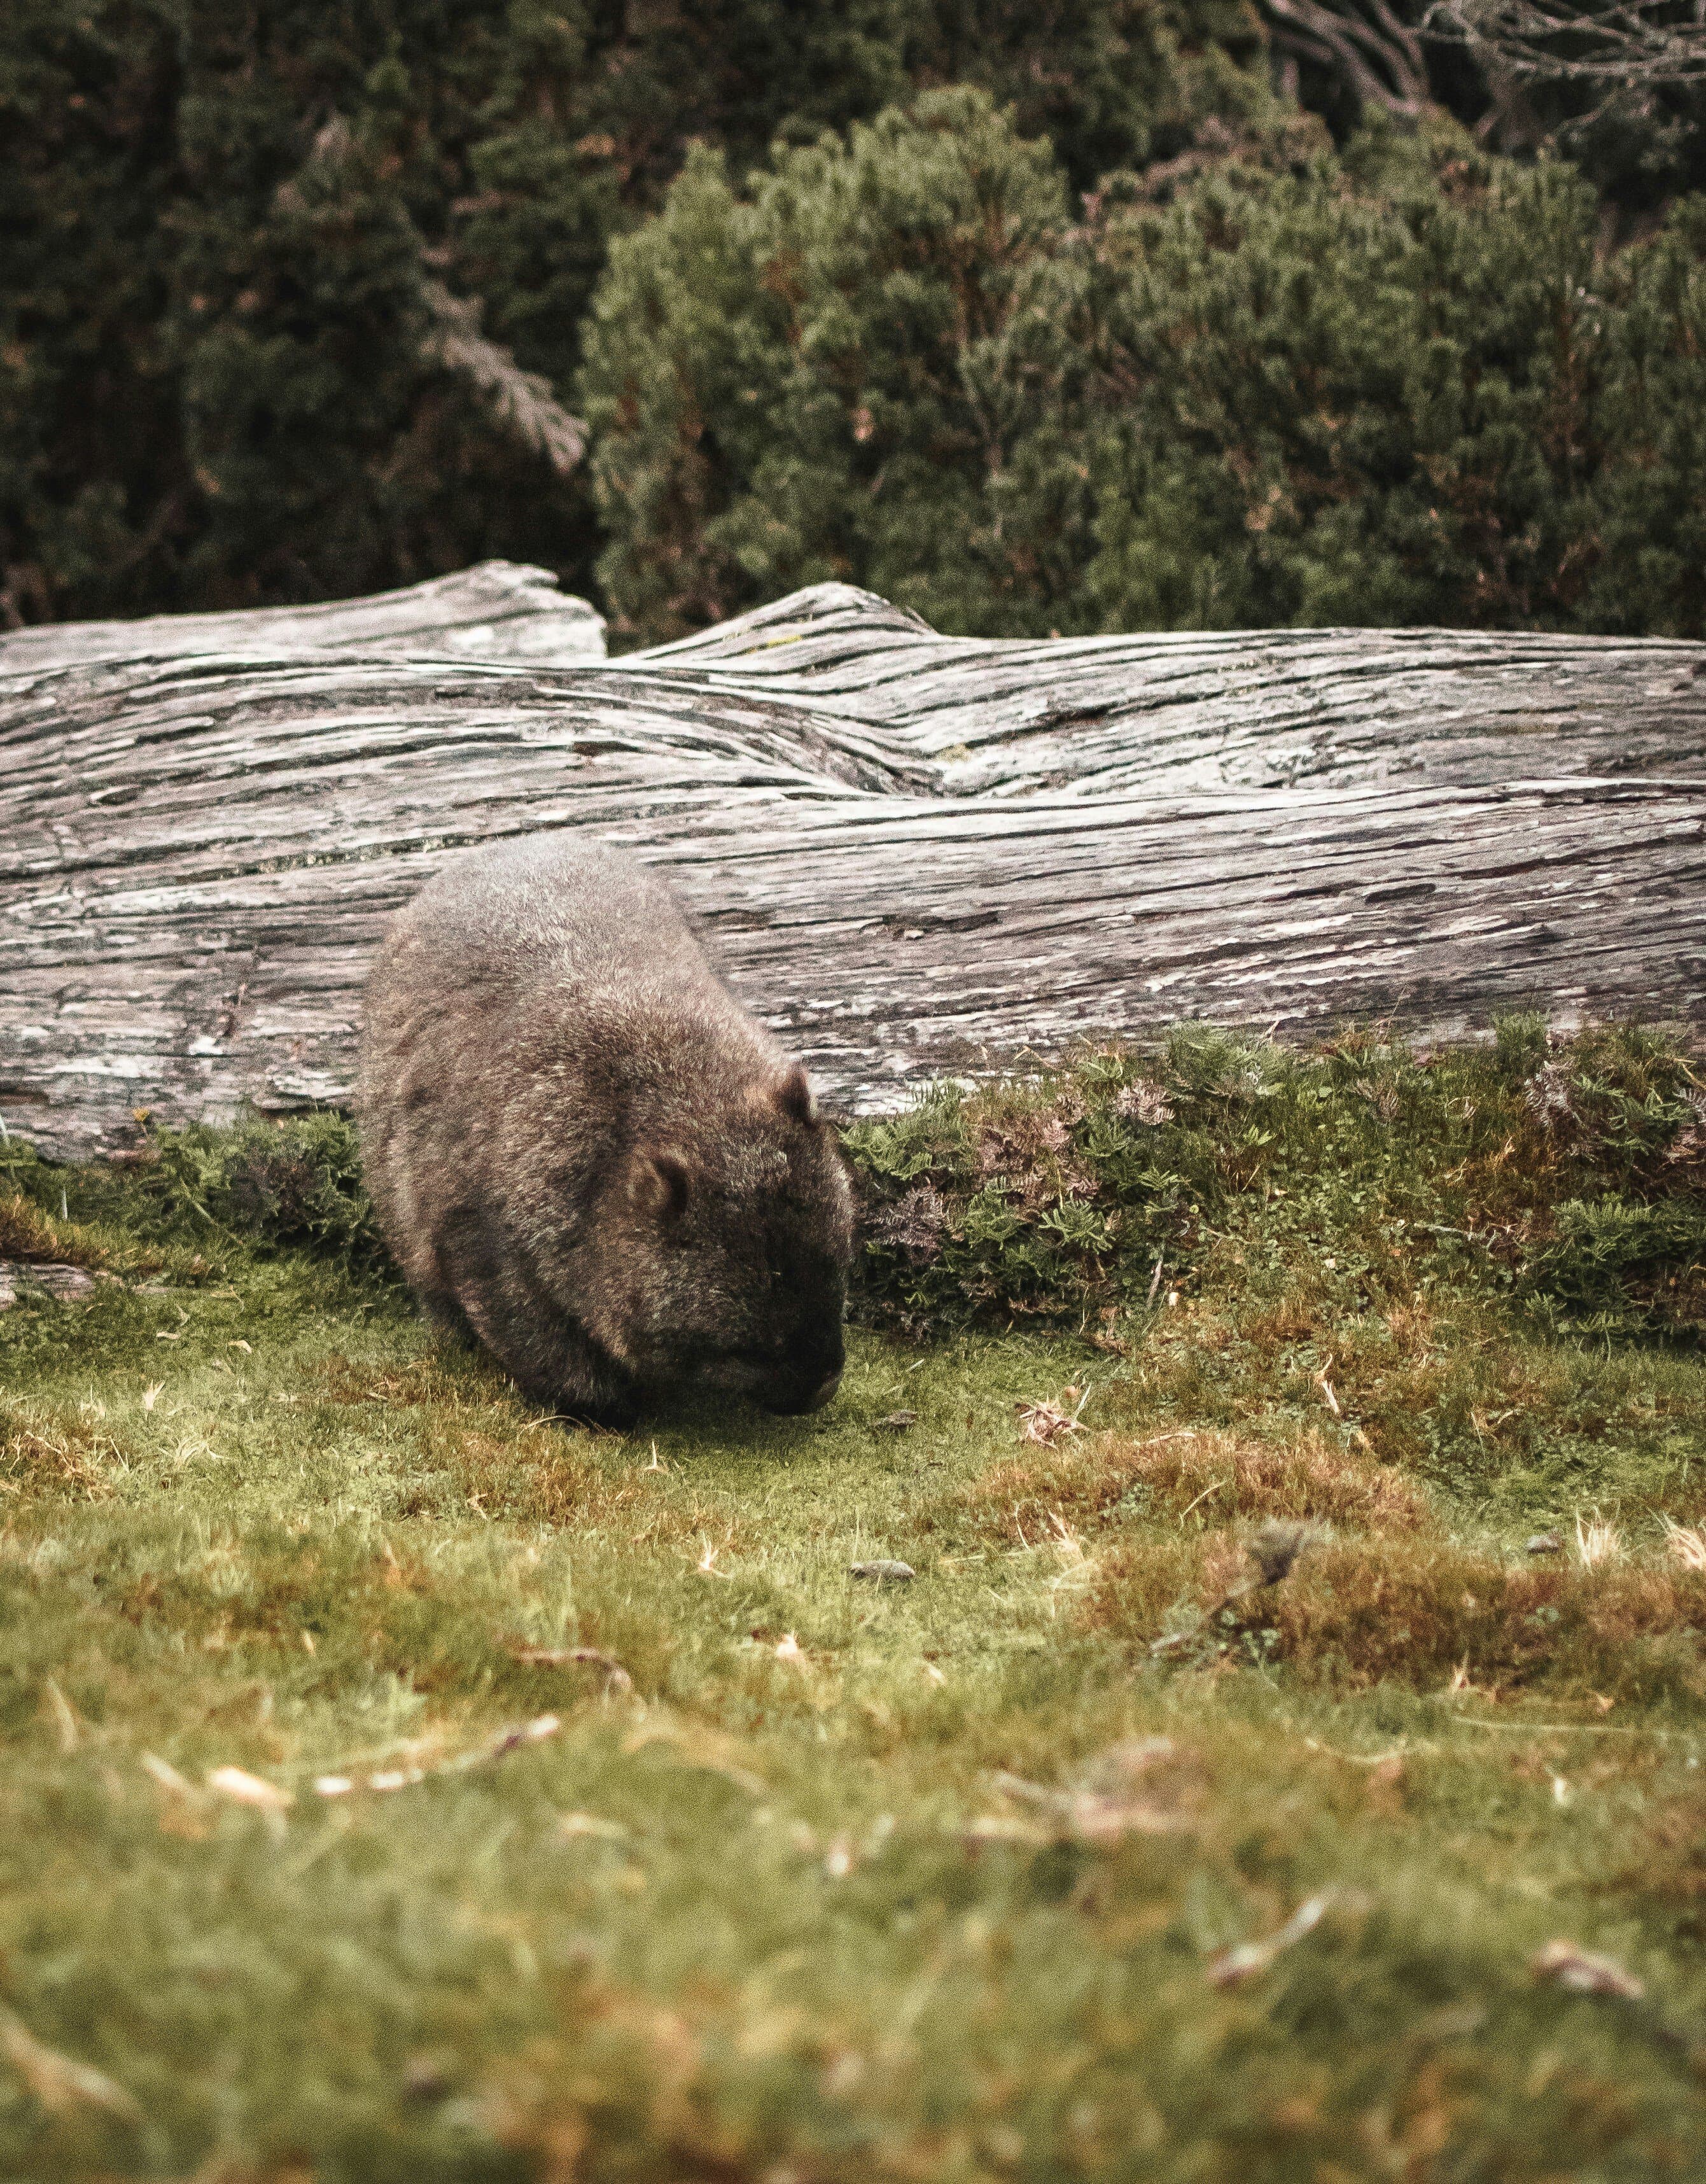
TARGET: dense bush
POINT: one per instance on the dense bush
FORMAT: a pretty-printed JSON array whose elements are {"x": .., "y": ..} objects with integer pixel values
[
  {"x": 820, "y": 381},
  {"x": 223, "y": 380},
  {"x": 1402, "y": 385}
]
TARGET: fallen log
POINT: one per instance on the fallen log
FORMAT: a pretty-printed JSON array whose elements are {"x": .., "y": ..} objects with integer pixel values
[
  {"x": 501, "y": 611},
  {"x": 913, "y": 854}
]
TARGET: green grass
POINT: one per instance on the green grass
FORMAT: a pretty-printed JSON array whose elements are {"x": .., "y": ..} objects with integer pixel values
[{"x": 775, "y": 1903}]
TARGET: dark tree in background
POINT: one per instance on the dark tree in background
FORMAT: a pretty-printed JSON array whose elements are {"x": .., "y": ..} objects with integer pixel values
[
  {"x": 227, "y": 381},
  {"x": 229, "y": 372},
  {"x": 295, "y": 302}
]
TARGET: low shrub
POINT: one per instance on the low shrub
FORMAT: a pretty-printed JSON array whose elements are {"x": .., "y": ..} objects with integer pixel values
[
  {"x": 1565, "y": 1174},
  {"x": 288, "y": 1185},
  {"x": 295, "y": 1184},
  {"x": 1612, "y": 1258}
]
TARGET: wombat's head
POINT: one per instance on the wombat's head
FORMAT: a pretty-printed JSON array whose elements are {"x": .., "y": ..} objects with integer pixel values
[{"x": 727, "y": 1258}]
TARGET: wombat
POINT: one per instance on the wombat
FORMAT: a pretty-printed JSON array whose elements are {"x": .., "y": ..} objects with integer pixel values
[{"x": 582, "y": 1148}]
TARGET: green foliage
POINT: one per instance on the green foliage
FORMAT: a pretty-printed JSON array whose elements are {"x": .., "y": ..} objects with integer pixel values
[
  {"x": 219, "y": 228},
  {"x": 859, "y": 1882},
  {"x": 1635, "y": 133},
  {"x": 1364, "y": 393},
  {"x": 292, "y": 1185},
  {"x": 1606, "y": 1250},
  {"x": 1401, "y": 386},
  {"x": 1238, "y": 379},
  {"x": 1571, "y": 1176},
  {"x": 1647, "y": 550},
  {"x": 1109, "y": 83},
  {"x": 814, "y": 383}
]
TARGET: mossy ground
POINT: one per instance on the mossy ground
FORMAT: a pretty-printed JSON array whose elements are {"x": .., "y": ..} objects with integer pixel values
[{"x": 833, "y": 1882}]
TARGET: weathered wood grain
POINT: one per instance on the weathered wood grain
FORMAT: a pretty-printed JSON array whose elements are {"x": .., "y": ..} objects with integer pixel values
[
  {"x": 912, "y": 853},
  {"x": 499, "y": 610}
]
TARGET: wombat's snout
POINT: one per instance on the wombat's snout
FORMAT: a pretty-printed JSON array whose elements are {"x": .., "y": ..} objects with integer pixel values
[
  {"x": 790, "y": 1401},
  {"x": 825, "y": 1392},
  {"x": 809, "y": 1384}
]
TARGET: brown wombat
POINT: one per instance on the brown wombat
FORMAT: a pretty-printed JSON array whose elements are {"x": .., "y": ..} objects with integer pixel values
[{"x": 582, "y": 1147}]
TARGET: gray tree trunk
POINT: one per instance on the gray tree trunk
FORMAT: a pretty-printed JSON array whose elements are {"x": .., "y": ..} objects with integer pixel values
[{"x": 911, "y": 853}]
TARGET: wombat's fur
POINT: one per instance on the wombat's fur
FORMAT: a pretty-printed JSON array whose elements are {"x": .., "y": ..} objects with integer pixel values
[{"x": 582, "y": 1147}]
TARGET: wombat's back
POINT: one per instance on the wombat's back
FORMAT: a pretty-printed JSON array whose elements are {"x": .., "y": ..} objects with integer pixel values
[
  {"x": 513, "y": 1002},
  {"x": 551, "y": 909}
]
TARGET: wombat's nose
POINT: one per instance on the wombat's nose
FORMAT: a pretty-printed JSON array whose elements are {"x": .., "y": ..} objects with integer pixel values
[{"x": 800, "y": 1395}]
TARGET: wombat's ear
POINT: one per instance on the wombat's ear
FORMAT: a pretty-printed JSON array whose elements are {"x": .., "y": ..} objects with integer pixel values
[
  {"x": 795, "y": 1096},
  {"x": 661, "y": 1185}
]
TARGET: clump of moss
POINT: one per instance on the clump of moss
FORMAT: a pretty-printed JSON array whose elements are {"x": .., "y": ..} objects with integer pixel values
[
  {"x": 293, "y": 1184},
  {"x": 1568, "y": 1174}
]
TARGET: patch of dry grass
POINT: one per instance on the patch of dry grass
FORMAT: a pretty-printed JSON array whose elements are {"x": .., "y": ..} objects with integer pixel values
[
  {"x": 31, "y": 1235},
  {"x": 44, "y": 1449},
  {"x": 464, "y": 1384},
  {"x": 508, "y": 1461},
  {"x": 1423, "y": 1611},
  {"x": 1107, "y": 1478},
  {"x": 546, "y": 1477},
  {"x": 1442, "y": 1386}
]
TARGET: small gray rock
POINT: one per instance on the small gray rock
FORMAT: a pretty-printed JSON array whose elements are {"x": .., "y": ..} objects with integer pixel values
[
  {"x": 884, "y": 1573},
  {"x": 67, "y": 1284},
  {"x": 1543, "y": 1543},
  {"x": 897, "y": 1422}
]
